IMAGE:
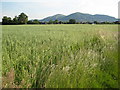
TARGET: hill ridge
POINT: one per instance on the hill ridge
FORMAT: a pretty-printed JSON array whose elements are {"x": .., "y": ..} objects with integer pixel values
[{"x": 81, "y": 17}]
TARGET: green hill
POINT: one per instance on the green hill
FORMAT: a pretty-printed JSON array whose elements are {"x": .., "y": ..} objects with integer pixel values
[{"x": 81, "y": 17}]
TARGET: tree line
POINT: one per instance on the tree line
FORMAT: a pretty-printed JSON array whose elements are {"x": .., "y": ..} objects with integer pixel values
[{"x": 23, "y": 19}]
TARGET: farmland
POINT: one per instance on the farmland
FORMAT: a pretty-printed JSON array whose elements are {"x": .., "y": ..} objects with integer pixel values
[{"x": 60, "y": 56}]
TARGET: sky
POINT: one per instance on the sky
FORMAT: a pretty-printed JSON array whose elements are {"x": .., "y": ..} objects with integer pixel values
[{"x": 39, "y": 9}]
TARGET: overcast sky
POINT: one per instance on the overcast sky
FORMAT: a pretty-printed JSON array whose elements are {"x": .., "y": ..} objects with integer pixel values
[{"x": 38, "y": 9}]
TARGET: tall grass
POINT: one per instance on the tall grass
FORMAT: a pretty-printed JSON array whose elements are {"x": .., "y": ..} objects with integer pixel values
[{"x": 60, "y": 56}]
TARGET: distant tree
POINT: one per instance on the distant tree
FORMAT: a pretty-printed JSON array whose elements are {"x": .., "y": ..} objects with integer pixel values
[
  {"x": 95, "y": 22},
  {"x": 77, "y": 22},
  {"x": 6, "y": 20},
  {"x": 23, "y": 18},
  {"x": 72, "y": 21},
  {"x": 9, "y": 20},
  {"x": 30, "y": 22},
  {"x": 50, "y": 22},
  {"x": 15, "y": 20},
  {"x": 55, "y": 22},
  {"x": 35, "y": 21},
  {"x": 60, "y": 22}
]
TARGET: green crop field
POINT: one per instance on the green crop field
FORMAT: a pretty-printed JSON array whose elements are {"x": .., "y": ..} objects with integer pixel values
[{"x": 60, "y": 56}]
